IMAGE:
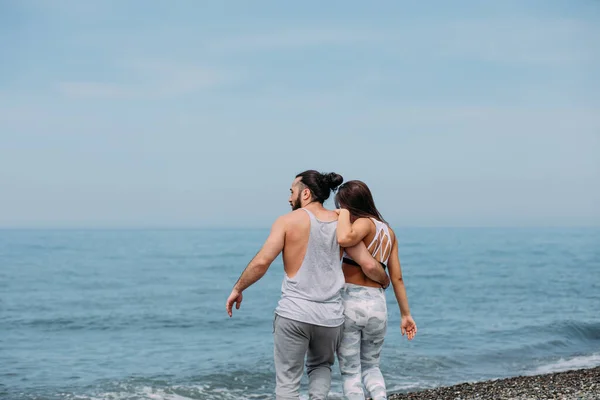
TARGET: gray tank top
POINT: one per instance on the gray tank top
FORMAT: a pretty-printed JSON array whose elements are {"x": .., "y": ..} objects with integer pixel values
[{"x": 313, "y": 294}]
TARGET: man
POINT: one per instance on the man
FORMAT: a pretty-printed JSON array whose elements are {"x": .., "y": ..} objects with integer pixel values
[{"x": 309, "y": 316}]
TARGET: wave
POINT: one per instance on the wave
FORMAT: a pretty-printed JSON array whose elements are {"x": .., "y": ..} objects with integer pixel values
[
  {"x": 128, "y": 322},
  {"x": 570, "y": 331},
  {"x": 586, "y": 331},
  {"x": 193, "y": 257},
  {"x": 411, "y": 386},
  {"x": 109, "y": 323},
  {"x": 562, "y": 364},
  {"x": 558, "y": 339},
  {"x": 560, "y": 331},
  {"x": 190, "y": 393},
  {"x": 240, "y": 384}
]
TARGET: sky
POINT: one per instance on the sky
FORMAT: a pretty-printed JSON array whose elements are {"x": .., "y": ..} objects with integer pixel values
[{"x": 188, "y": 113}]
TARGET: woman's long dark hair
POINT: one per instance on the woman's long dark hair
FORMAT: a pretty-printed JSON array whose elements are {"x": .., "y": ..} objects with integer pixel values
[{"x": 356, "y": 197}]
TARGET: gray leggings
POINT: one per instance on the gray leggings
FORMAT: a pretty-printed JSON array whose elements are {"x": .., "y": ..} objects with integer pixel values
[{"x": 293, "y": 341}]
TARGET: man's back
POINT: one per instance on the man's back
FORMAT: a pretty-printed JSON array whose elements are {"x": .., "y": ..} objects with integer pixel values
[
  {"x": 298, "y": 224},
  {"x": 310, "y": 291}
]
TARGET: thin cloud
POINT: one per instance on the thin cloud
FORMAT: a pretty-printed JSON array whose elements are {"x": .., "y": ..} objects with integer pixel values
[
  {"x": 553, "y": 41},
  {"x": 98, "y": 90},
  {"x": 521, "y": 41},
  {"x": 297, "y": 38},
  {"x": 156, "y": 79}
]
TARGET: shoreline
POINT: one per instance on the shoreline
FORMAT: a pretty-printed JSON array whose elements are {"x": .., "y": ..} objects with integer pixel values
[{"x": 573, "y": 384}]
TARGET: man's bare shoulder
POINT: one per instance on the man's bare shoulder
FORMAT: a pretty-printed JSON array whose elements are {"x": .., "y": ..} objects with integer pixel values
[{"x": 294, "y": 217}]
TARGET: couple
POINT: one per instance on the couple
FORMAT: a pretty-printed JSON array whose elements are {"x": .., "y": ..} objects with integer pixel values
[{"x": 331, "y": 300}]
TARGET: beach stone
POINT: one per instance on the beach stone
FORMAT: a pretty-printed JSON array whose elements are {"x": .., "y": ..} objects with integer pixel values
[{"x": 569, "y": 385}]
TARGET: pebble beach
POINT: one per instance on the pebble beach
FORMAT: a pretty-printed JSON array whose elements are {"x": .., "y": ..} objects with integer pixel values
[{"x": 569, "y": 385}]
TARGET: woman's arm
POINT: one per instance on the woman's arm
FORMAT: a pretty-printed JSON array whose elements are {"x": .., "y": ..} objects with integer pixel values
[
  {"x": 407, "y": 325},
  {"x": 350, "y": 234}
]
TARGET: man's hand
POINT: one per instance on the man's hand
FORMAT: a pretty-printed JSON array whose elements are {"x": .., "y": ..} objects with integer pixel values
[
  {"x": 386, "y": 284},
  {"x": 408, "y": 327},
  {"x": 234, "y": 297},
  {"x": 370, "y": 266}
]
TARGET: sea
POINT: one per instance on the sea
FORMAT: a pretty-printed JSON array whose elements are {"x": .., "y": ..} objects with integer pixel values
[{"x": 140, "y": 314}]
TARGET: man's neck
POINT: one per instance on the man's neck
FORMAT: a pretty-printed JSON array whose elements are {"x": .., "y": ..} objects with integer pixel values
[{"x": 314, "y": 206}]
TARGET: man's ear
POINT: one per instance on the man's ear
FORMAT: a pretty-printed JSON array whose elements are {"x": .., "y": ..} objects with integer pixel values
[{"x": 306, "y": 194}]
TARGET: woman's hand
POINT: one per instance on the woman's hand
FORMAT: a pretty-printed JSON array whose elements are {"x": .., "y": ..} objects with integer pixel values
[{"x": 408, "y": 327}]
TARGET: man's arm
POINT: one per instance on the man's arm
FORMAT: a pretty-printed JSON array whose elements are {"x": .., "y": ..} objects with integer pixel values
[
  {"x": 259, "y": 264},
  {"x": 368, "y": 264}
]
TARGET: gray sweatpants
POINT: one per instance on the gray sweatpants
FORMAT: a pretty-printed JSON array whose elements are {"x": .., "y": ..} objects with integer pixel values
[{"x": 296, "y": 340}]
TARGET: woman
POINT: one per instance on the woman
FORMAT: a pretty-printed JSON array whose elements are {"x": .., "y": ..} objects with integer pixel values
[{"x": 364, "y": 299}]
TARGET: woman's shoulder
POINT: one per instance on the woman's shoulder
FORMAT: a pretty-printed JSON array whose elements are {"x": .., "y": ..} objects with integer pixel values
[
  {"x": 364, "y": 225},
  {"x": 364, "y": 221},
  {"x": 392, "y": 233},
  {"x": 367, "y": 221}
]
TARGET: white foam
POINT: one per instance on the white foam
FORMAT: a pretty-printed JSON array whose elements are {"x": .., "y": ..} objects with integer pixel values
[
  {"x": 151, "y": 393},
  {"x": 562, "y": 364},
  {"x": 146, "y": 393},
  {"x": 159, "y": 394},
  {"x": 333, "y": 395},
  {"x": 408, "y": 386}
]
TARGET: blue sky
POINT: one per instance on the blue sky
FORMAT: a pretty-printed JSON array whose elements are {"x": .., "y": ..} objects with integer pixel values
[{"x": 199, "y": 114}]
